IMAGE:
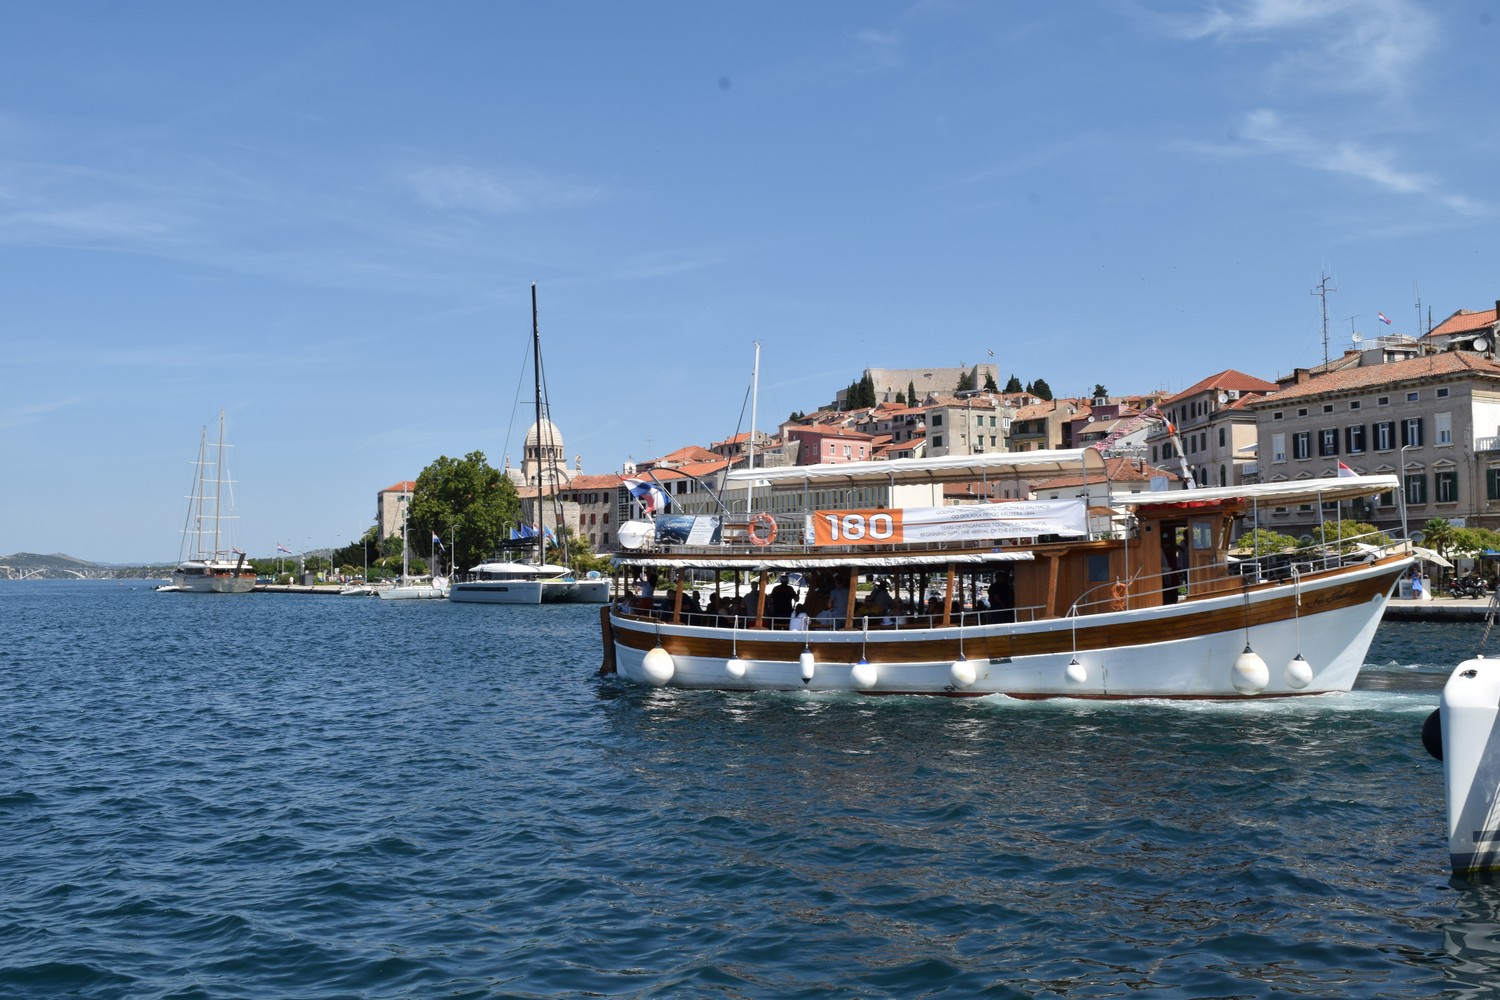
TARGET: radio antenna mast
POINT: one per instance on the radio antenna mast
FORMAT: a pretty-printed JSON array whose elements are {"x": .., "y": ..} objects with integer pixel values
[{"x": 1322, "y": 293}]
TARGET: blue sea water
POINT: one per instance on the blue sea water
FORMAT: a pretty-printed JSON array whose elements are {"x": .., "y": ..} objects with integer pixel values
[{"x": 286, "y": 796}]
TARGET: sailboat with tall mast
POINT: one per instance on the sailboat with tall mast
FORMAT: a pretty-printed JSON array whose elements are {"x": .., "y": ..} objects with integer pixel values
[
  {"x": 533, "y": 580},
  {"x": 207, "y": 562}
]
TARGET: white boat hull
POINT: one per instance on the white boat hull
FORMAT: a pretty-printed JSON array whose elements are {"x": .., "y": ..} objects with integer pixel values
[
  {"x": 531, "y": 592},
  {"x": 1470, "y": 710},
  {"x": 424, "y": 592},
  {"x": 497, "y": 592},
  {"x": 1110, "y": 655}
]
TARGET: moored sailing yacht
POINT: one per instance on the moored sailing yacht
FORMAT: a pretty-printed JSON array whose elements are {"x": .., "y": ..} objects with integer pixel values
[
  {"x": 1139, "y": 599},
  {"x": 533, "y": 580},
  {"x": 207, "y": 563}
]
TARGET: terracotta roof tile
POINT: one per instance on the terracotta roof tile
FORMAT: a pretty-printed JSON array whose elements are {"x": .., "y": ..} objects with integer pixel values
[
  {"x": 1226, "y": 379},
  {"x": 1464, "y": 321},
  {"x": 1416, "y": 369}
]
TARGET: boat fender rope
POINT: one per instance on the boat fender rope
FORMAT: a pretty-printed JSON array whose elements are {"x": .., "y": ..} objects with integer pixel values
[
  {"x": 762, "y": 520},
  {"x": 1121, "y": 589}
]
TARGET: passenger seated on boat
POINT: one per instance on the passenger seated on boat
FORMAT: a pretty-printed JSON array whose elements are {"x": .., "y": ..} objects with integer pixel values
[
  {"x": 1002, "y": 599},
  {"x": 824, "y": 620},
  {"x": 880, "y": 600},
  {"x": 800, "y": 622},
  {"x": 838, "y": 599}
]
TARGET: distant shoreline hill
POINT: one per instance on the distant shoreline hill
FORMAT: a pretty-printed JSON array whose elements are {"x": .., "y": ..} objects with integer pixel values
[{"x": 30, "y": 566}]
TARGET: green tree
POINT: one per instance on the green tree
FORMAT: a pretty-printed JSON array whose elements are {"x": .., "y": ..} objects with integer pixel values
[
  {"x": 1040, "y": 389},
  {"x": 965, "y": 382},
  {"x": 581, "y": 556},
  {"x": 466, "y": 500},
  {"x": 1100, "y": 392},
  {"x": 911, "y": 393},
  {"x": 900, "y": 397},
  {"x": 1264, "y": 541},
  {"x": 1344, "y": 534},
  {"x": 1014, "y": 385},
  {"x": 989, "y": 383}
]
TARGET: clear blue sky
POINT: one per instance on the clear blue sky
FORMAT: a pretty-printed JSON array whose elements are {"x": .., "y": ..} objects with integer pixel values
[{"x": 324, "y": 218}]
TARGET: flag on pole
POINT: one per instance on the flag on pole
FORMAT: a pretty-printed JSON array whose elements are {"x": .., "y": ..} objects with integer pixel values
[
  {"x": 1383, "y": 319},
  {"x": 436, "y": 540},
  {"x": 283, "y": 548},
  {"x": 652, "y": 498},
  {"x": 1345, "y": 471}
]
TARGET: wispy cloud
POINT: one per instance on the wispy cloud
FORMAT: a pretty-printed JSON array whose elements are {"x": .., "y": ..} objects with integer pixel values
[
  {"x": 20, "y": 416},
  {"x": 1264, "y": 128},
  {"x": 456, "y": 187},
  {"x": 1364, "y": 46}
]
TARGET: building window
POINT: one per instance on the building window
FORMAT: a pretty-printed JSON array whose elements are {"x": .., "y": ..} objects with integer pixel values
[
  {"x": 1278, "y": 448},
  {"x": 1222, "y": 431},
  {"x": 1442, "y": 428},
  {"x": 1416, "y": 488},
  {"x": 1382, "y": 401},
  {"x": 1492, "y": 484},
  {"x": 1385, "y": 435},
  {"x": 1411, "y": 432},
  {"x": 1442, "y": 393},
  {"x": 1327, "y": 407},
  {"x": 1353, "y": 404},
  {"x": 1328, "y": 441},
  {"x": 1301, "y": 411},
  {"x": 1302, "y": 444},
  {"x": 1445, "y": 486},
  {"x": 937, "y": 420},
  {"x": 1412, "y": 397},
  {"x": 937, "y": 442},
  {"x": 1276, "y": 415},
  {"x": 1354, "y": 439}
]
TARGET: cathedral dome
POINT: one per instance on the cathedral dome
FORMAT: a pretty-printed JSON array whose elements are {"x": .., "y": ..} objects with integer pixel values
[{"x": 550, "y": 436}]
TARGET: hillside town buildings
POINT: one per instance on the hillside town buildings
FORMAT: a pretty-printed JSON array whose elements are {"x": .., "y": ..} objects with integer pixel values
[{"x": 1425, "y": 409}]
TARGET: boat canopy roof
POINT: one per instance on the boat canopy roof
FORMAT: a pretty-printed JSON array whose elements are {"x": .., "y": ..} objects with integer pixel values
[
  {"x": 1292, "y": 491},
  {"x": 800, "y": 561},
  {"x": 948, "y": 469}
]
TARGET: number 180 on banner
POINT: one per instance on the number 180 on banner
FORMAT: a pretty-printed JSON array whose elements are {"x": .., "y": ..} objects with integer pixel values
[{"x": 1015, "y": 519}]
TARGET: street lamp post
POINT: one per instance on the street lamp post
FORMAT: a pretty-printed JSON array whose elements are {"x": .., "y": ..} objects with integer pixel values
[{"x": 1401, "y": 488}]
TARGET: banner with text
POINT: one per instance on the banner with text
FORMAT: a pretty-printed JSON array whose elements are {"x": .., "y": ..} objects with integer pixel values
[{"x": 1019, "y": 519}]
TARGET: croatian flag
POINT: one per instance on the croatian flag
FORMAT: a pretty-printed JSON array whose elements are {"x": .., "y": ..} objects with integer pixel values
[
  {"x": 1345, "y": 471},
  {"x": 653, "y": 499},
  {"x": 1383, "y": 319},
  {"x": 283, "y": 548}
]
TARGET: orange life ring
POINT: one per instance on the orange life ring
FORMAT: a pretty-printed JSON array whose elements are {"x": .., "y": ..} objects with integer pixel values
[
  {"x": 1121, "y": 591},
  {"x": 761, "y": 520}
]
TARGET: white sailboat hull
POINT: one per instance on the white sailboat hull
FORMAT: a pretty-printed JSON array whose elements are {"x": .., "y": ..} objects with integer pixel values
[{"x": 201, "y": 579}]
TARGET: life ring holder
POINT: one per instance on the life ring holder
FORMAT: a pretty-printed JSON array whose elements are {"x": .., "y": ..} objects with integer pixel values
[{"x": 761, "y": 520}]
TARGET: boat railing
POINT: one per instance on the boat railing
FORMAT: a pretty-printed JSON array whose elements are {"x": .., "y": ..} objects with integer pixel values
[{"x": 661, "y": 610}]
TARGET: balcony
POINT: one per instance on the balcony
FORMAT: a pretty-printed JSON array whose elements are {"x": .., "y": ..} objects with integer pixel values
[{"x": 1487, "y": 444}]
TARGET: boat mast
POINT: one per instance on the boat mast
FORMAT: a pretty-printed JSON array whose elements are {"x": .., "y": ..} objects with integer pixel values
[
  {"x": 218, "y": 482},
  {"x": 536, "y": 368},
  {"x": 198, "y": 500},
  {"x": 754, "y": 400}
]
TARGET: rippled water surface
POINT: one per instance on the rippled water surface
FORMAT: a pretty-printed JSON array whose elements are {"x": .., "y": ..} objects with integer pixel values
[{"x": 285, "y": 796}]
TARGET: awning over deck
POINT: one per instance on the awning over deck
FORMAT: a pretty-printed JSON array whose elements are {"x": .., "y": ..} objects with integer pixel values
[{"x": 949, "y": 469}]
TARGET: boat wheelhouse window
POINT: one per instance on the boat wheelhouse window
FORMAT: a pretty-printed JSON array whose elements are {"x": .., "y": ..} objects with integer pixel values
[
  {"x": 1098, "y": 567},
  {"x": 1203, "y": 535}
]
